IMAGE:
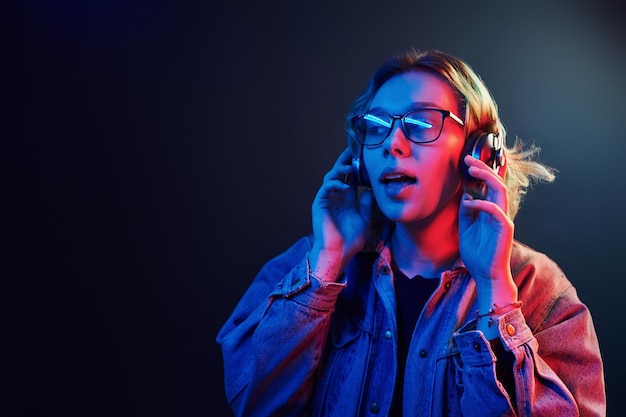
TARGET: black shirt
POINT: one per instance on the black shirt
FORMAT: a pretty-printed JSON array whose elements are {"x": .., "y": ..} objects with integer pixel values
[{"x": 411, "y": 297}]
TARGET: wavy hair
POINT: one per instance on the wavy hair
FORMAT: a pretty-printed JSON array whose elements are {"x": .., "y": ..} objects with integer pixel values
[{"x": 481, "y": 113}]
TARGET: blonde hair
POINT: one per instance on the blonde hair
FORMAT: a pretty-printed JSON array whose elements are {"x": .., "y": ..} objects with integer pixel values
[{"x": 481, "y": 113}]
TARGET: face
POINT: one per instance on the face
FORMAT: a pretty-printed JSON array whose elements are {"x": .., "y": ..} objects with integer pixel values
[{"x": 412, "y": 182}]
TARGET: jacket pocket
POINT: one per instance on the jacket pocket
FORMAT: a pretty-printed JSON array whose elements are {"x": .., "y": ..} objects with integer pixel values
[
  {"x": 341, "y": 377},
  {"x": 343, "y": 331}
]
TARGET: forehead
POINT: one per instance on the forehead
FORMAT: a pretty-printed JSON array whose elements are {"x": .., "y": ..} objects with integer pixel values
[{"x": 415, "y": 89}]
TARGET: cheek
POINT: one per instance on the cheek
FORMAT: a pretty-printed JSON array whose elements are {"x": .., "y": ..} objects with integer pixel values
[
  {"x": 444, "y": 169},
  {"x": 445, "y": 161},
  {"x": 369, "y": 164}
]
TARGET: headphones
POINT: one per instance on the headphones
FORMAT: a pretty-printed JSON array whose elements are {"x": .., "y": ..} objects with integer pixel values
[{"x": 486, "y": 146}]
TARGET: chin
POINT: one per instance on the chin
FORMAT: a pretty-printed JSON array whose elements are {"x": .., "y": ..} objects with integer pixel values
[{"x": 399, "y": 214}]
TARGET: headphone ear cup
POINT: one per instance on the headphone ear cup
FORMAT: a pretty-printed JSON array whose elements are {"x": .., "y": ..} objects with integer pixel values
[
  {"x": 468, "y": 149},
  {"x": 484, "y": 146},
  {"x": 361, "y": 173}
]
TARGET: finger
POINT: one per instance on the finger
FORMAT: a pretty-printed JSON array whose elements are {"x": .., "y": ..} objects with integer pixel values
[
  {"x": 495, "y": 212},
  {"x": 466, "y": 213},
  {"x": 496, "y": 188},
  {"x": 490, "y": 177},
  {"x": 345, "y": 158},
  {"x": 338, "y": 172},
  {"x": 346, "y": 154},
  {"x": 481, "y": 170},
  {"x": 342, "y": 165},
  {"x": 334, "y": 185}
]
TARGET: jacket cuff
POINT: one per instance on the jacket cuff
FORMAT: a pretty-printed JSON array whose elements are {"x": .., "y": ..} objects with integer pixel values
[
  {"x": 513, "y": 329},
  {"x": 474, "y": 348},
  {"x": 300, "y": 286}
]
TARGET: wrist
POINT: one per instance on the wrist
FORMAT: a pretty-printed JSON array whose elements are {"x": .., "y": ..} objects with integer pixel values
[
  {"x": 498, "y": 290},
  {"x": 495, "y": 298},
  {"x": 324, "y": 265},
  {"x": 487, "y": 321}
]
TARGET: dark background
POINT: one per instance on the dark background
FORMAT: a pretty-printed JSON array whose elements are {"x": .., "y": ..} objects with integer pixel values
[{"x": 156, "y": 154}]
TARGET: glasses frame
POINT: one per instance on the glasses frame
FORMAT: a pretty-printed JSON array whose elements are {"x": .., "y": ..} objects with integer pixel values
[{"x": 444, "y": 114}]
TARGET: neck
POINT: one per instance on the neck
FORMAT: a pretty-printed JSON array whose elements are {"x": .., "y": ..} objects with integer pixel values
[{"x": 426, "y": 248}]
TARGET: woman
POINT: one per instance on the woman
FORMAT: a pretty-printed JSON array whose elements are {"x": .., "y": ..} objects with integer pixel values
[{"x": 411, "y": 297}]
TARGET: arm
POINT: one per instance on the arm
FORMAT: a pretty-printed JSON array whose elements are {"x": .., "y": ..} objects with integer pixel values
[
  {"x": 273, "y": 341},
  {"x": 563, "y": 368},
  {"x": 556, "y": 367},
  {"x": 556, "y": 370}
]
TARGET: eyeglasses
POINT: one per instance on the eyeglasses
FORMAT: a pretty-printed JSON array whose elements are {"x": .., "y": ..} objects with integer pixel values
[{"x": 419, "y": 126}]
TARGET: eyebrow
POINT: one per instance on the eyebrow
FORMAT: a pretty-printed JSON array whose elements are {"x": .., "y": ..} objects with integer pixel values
[{"x": 414, "y": 106}]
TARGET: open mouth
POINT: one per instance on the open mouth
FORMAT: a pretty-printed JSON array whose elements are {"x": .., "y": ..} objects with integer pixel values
[{"x": 397, "y": 179}]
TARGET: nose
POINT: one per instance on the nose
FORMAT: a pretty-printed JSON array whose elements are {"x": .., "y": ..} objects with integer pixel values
[{"x": 397, "y": 144}]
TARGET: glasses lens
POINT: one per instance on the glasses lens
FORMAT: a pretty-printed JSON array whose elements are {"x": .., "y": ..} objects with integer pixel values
[
  {"x": 372, "y": 128},
  {"x": 420, "y": 126},
  {"x": 423, "y": 125}
]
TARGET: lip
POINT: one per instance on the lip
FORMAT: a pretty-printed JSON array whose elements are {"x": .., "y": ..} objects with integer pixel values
[
  {"x": 396, "y": 189},
  {"x": 395, "y": 172}
]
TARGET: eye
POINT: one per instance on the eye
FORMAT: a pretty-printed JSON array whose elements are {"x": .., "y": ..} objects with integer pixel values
[
  {"x": 375, "y": 129},
  {"x": 373, "y": 124},
  {"x": 418, "y": 121},
  {"x": 374, "y": 119}
]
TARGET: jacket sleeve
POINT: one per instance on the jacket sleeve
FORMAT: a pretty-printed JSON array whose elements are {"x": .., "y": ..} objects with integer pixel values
[
  {"x": 557, "y": 368},
  {"x": 273, "y": 341}
]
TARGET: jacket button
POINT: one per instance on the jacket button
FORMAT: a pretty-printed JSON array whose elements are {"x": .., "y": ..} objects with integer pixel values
[
  {"x": 385, "y": 270},
  {"x": 388, "y": 334},
  {"x": 374, "y": 408},
  {"x": 477, "y": 347},
  {"x": 510, "y": 329},
  {"x": 423, "y": 353}
]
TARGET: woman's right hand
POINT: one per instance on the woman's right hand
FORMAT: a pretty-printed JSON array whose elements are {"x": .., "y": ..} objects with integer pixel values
[{"x": 340, "y": 221}]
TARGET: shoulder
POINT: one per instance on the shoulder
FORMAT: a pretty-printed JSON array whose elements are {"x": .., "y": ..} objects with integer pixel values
[
  {"x": 274, "y": 270},
  {"x": 536, "y": 274},
  {"x": 292, "y": 255},
  {"x": 526, "y": 261},
  {"x": 541, "y": 282}
]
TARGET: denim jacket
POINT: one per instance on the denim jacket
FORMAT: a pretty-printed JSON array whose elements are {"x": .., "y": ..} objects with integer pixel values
[{"x": 295, "y": 347}]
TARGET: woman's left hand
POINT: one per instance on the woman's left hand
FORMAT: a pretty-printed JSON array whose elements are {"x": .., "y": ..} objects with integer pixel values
[{"x": 486, "y": 230}]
